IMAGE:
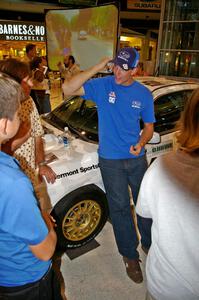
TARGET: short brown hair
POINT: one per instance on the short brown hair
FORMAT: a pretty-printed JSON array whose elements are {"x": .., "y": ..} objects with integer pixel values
[
  {"x": 30, "y": 47},
  {"x": 15, "y": 68},
  {"x": 188, "y": 125},
  {"x": 10, "y": 96}
]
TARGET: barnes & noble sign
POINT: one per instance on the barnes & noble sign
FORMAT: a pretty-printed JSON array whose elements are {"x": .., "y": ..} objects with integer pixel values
[{"x": 18, "y": 31}]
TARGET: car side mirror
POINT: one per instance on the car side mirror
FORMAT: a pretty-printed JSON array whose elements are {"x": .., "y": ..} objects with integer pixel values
[{"x": 155, "y": 138}]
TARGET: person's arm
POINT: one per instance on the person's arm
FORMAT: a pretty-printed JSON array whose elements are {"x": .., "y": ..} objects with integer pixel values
[
  {"x": 74, "y": 86},
  {"x": 146, "y": 135},
  {"x": 22, "y": 135},
  {"x": 23, "y": 218},
  {"x": 46, "y": 248},
  {"x": 44, "y": 170}
]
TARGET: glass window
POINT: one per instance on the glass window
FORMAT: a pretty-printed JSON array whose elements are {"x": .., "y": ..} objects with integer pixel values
[
  {"x": 181, "y": 10},
  {"x": 178, "y": 63},
  {"x": 168, "y": 109},
  {"x": 179, "y": 49},
  {"x": 79, "y": 115},
  {"x": 181, "y": 35}
]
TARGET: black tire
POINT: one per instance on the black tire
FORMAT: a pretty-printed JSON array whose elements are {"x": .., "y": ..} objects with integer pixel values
[{"x": 80, "y": 216}]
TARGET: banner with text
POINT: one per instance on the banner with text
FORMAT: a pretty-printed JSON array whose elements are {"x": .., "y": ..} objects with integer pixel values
[
  {"x": 22, "y": 31},
  {"x": 144, "y": 4}
]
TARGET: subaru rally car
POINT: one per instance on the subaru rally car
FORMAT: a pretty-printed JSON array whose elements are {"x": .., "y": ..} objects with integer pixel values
[{"x": 78, "y": 196}]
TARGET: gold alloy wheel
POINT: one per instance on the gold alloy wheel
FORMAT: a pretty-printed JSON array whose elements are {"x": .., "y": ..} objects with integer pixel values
[{"x": 81, "y": 220}]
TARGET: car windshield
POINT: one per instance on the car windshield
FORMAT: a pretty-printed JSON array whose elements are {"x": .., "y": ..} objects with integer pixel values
[{"x": 79, "y": 115}]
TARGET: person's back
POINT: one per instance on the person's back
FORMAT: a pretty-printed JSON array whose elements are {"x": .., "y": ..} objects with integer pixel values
[
  {"x": 18, "y": 264},
  {"x": 169, "y": 194},
  {"x": 172, "y": 259}
]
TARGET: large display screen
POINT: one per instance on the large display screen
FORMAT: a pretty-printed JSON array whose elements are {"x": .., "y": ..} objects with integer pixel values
[{"x": 89, "y": 34}]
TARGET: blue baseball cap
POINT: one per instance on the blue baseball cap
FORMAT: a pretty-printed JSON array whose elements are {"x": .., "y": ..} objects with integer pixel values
[{"x": 127, "y": 58}]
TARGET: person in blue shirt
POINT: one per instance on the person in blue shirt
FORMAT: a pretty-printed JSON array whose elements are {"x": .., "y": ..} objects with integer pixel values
[
  {"x": 122, "y": 102},
  {"x": 27, "y": 236}
]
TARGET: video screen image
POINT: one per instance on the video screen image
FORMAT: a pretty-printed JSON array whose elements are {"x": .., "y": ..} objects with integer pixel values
[{"x": 89, "y": 34}]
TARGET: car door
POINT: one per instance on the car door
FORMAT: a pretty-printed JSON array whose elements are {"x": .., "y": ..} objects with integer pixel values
[{"x": 168, "y": 108}]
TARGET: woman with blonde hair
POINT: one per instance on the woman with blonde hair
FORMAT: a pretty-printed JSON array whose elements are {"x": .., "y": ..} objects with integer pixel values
[
  {"x": 169, "y": 195},
  {"x": 188, "y": 135}
]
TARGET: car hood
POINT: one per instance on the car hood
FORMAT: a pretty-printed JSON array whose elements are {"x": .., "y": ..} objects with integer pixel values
[
  {"x": 75, "y": 165},
  {"x": 76, "y": 150}
]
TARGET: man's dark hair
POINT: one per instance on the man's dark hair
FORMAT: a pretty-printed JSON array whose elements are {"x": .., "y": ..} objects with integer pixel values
[
  {"x": 29, "y": 47},
  {"x": 34, "y": 64},
  {"x": 72, "y": 59}
]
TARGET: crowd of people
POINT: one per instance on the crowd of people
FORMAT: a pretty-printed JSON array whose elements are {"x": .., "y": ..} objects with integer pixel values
[{"x": 166, "y": 194}]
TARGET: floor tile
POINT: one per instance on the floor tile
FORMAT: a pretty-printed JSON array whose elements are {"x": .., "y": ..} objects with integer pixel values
[{"x": 100, "y": 273}]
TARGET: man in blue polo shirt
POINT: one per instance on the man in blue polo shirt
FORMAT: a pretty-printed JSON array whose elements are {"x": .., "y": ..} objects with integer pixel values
[
  {"x": 27, "y": 237},
  {"x": 122, "y": 102}
]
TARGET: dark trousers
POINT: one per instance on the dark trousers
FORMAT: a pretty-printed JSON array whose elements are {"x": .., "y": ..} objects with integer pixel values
[
  {"x": 47, "y": 288},
  {"x": 42, "y": 101},
  {"x": 118, "y": 175},
  {"x": 35, "y": 99}
]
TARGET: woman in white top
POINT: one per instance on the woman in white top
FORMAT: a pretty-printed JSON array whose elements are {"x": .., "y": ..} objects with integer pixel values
[{"x": 169, "y": 195}]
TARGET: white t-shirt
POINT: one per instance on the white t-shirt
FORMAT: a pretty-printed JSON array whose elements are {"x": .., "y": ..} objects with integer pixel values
[{"x": 169, "y": 194}]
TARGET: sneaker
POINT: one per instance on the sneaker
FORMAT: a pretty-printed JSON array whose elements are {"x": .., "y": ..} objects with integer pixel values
[
  {"x": 133, "y": 269},
  {"x": 146, "y": 250}
]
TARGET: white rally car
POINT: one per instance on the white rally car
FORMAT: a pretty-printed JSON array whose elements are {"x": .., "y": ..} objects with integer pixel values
[{"x": 78, "y": 196}]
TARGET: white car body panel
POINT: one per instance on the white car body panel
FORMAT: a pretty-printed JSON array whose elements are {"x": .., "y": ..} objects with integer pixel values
[{"x": 75, "y": 166}]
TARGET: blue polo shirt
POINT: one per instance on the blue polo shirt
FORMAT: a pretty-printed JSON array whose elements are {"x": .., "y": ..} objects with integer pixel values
[
  {"x": 21, "y": 225},
  {"x": 120, "y": 109}
]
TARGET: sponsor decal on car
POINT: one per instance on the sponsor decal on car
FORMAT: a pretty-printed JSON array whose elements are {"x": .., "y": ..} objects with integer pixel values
[
  {"x": 160, "y": 149},
  {"x": 78, "y": 171}
]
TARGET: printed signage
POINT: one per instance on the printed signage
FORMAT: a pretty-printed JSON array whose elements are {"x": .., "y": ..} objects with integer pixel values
[
  {"x": 22, "y": 31},
  {"x": 144, "y": 4},
  {"x": 78, "y": 171}
]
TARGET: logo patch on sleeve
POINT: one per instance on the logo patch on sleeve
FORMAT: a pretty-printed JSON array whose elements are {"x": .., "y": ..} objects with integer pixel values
[{"x": 136, "y": 104}]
